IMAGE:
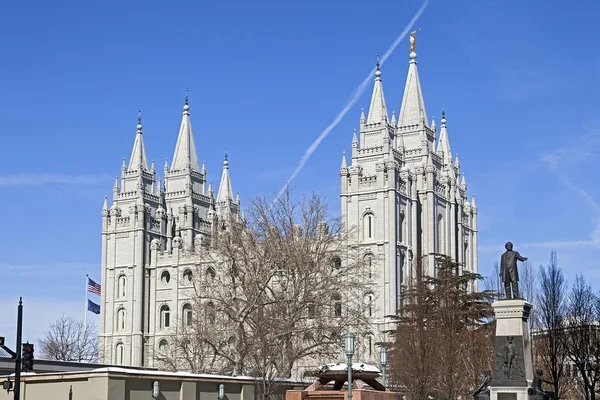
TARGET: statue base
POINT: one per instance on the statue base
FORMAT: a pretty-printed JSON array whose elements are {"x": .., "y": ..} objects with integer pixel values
[
  {"x": 508, "y": 393},
  {"x": 513, "y": 371}
]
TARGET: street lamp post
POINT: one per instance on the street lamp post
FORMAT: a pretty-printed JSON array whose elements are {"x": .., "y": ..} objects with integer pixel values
[
  {"x": 383, "y": 360},
  {"x": 349, "y": 353}
]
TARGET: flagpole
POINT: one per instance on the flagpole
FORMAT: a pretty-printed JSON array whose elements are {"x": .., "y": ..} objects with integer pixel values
[{"x": 86, "y": 308}]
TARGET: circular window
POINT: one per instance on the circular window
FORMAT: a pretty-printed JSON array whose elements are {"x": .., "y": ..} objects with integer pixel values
[
  {"x": 165, "y": 277},
  {"x": 163, "y": 346}
]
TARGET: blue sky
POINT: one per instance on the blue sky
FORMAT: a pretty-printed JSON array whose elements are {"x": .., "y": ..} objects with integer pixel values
[{"x": 519, "y": 81}]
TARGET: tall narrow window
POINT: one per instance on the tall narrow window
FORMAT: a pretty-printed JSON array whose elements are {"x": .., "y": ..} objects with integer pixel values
[
  {"x": 369, "y": 226},
  {"x": 337, "y": 305},
  {"x": 121, "y": 319},
  {"x": 440, "y": 234},
  {"x": 121, "y": 287},
  {"x": 165, "y": 316},
  {"x": 369, "y": 265},
  {"x": 119, "y": 354},
  {"x": 187, "y": 314},
  {"x": 370, "y": 345},
  {"x": 401, "y": 227},
  {"x": 210, "y": 311},
  {"x": 369, "y": 301}
]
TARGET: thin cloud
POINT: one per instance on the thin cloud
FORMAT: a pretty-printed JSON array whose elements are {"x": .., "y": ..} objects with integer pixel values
[
  {"x": 585, "y": 148},
  {"x": 49, "y": 270},
  {"x": 52, "y": 179}
]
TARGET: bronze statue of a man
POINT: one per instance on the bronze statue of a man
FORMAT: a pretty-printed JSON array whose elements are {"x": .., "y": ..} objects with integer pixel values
[{"x": 509, "y": 272}]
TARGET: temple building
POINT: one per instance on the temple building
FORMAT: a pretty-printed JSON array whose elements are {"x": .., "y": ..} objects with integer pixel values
[
  {"x": 403, "y": 197},
  {"x": 148, "y": 234}
]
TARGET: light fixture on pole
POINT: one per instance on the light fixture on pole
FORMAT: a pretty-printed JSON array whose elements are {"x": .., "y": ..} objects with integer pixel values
[
  {"x": 383, "y": 360},
  {"x": 155, "y": 390},
  {"x": 221, "y": 392},
  {"x": 349, "y": 353}
]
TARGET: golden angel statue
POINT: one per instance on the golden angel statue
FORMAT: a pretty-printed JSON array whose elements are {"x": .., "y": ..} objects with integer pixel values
[{"x": 413, "y": 42}]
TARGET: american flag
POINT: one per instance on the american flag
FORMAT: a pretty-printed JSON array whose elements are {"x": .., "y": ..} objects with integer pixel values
[{"x": 94, "y": 287}]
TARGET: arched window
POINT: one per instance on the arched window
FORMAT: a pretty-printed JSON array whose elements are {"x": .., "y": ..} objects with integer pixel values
[
  {"x": 121, "y": 287},
  {"x": 337, "y": 305},
  {"x": 119, "y": 354},
  {"x": 187, "y": 314},
  {"x": 165, "y": 277},
  {"x": 368, "y": 260},
  {"x": 187, "y": 276},
  {"x": 337, "y": 262},
  {"x": 369, "y": 300},
  {"x": 210, "y": 273},
  {"x": 163, "y": 346},
  {"x": 311, "y": 310},
  {"x": 121, "y": 319},
  {"x": 369, "y": 226},
  {"x": 440, "y": 234},
  {"x": 165, "y": 316}
]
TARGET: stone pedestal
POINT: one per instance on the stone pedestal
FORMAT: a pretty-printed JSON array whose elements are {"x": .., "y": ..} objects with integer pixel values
[{"x": 512, "y": 372}]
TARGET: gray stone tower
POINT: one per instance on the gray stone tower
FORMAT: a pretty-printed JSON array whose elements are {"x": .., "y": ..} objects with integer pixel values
[
  {"x": 401, "y": 197},
  {"x": 149, "y": 235}
]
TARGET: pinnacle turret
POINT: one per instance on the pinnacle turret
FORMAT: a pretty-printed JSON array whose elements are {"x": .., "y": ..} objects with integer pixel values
[
  {"x": 138, "y": 161},
  {"x": 444, "y": 142},
  {"x": 225, "y": 190},
  {"x": 344, "y": 165}
]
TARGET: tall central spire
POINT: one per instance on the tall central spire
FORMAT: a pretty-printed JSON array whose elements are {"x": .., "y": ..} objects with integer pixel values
[
  {"x": 185, "y": 152},
  {"x": 138, "y": 161},
  {"x": 413, "y": 110},
  {"x": 378, "y": 109}
]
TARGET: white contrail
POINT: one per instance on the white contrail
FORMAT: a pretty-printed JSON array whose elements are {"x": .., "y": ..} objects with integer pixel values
[{"x": 350, "y": 103}]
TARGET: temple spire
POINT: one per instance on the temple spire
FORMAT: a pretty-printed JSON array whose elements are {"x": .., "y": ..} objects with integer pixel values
[
  {"x": 413, "y": 110},
  {"x": 138, "y": 161},
  {"x": 185, "y": 150},
  {"x": 444, "y": 142},
  {"x": 377, "y": 109},
  {"x": 225, "y": 190}
]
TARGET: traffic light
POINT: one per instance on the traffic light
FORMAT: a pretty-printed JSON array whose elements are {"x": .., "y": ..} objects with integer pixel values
[{"x": 27, "y": 357}]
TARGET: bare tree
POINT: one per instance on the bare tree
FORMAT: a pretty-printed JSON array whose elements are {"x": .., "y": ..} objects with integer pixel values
[
  {"x": 272, "y": 291},
  {"x": 68, "y": 339},
  {"x": 551, "y": 301},
  {"x": 443, "y": 340},
  {"x": 582, "y": 338},
  {"x": 528, "y": 285},
  {"x": 494, "y": 283}
]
